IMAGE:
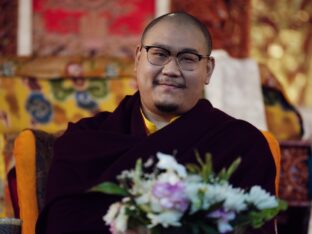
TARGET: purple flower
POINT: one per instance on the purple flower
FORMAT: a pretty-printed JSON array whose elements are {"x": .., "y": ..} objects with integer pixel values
[
  {"x": 223, "y": 217},
  {"x": 171, "y": 196}
]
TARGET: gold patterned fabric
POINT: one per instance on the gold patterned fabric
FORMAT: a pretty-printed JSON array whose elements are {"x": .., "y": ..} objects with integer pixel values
[
  {"x": 281, "y": 38},
  {"x": 46, "y": 93},
  {"x": 50, "y": 104}
]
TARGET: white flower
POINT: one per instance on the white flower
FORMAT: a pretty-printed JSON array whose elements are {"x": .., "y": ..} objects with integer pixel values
[
  {"x": 232, "y": 198},
  {"x": 193, "y": 179},
  {"x": 167, "y": 162},
  {"x": 155, "y": 205},
  {"x": 112, "y": 213},
  {"x": 215, "y": 193},
  {"x": 126, "y": 175},
  {"x": 261, "y": 199},
  {"x": 224, "y": 227},
  {"x": 143, "y": 199},
  {"x": 192, "y": 191},
  {"x": 149, "y": 162},
  {"x": 116, "y": 217},
  {"x": 235, "y": 199},
  {"x": 167, "y": 193},
  {"x": 169, "y": 177},
  {"x": 165, "y": 219},
  {"x": 141, "y": 186},
  {"x": 121, "y": 220}
]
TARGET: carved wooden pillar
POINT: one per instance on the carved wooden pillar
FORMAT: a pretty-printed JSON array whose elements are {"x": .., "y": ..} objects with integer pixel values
[{"x": 294, "y": 181}]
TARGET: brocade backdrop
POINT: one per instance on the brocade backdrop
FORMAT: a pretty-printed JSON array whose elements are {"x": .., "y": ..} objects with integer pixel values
[{"x": 80, "y": 27}]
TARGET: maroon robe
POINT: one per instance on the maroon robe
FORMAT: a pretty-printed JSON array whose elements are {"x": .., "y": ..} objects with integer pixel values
[{"x": 97, "y": 149}]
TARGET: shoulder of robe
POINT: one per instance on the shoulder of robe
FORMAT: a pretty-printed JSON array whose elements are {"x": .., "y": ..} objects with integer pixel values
[
  {"x": 245, "y": 130},
  {"x": 89, "y": 123}
]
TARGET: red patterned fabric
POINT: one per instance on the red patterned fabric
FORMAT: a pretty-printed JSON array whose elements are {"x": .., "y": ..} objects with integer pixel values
[
  {"x": 8, "y": 27},
  {"x": 98, "y": 27}
]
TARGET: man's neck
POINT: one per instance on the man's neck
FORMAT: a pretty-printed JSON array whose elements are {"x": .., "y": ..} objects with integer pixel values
[{"x": 160, "y": 121}]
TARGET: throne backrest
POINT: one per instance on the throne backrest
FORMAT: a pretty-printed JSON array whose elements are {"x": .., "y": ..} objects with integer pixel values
[{"x": 33, "y": 151}]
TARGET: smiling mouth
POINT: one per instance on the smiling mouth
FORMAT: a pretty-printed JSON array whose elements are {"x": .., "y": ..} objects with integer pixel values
[{"x": 171, "y": 84}]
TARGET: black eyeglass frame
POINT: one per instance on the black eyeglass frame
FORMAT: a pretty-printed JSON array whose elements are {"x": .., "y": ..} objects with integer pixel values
[{"x": 200, "y": 57}]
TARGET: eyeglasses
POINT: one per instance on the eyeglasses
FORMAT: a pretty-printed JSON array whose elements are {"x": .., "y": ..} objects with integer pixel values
[{"x": 159, "y": 56}]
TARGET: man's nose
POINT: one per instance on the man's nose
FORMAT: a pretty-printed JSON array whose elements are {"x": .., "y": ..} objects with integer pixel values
[{"x": 172, "y": 68}]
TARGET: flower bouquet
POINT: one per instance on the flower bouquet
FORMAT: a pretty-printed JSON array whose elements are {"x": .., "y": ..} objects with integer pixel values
[{"x": 191, "y": 199}]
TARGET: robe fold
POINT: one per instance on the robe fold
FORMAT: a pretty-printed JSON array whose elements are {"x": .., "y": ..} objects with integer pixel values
[{"x": 97, "y": 149}]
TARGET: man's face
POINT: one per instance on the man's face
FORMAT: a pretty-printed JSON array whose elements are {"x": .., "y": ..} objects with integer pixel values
[{"x": 168, "y": 89}]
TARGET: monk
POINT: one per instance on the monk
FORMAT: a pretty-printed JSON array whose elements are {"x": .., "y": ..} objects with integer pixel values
[{"x": 167, "y": 115}]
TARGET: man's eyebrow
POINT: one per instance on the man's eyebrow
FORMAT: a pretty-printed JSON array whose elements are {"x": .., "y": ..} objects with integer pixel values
[
  {"x": 160, "y": 45},
  {"x": 184, "y": 50},
  {"x": 188, "y": 50}
]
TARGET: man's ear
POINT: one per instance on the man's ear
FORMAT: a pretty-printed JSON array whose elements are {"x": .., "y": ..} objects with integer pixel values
[
  {"x": 210, "y": 67},
  {"x": 137, "y": 57}
]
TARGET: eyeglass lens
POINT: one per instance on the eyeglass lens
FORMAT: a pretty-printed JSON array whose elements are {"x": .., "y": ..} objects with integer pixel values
[{"x": 158, "y": 56}]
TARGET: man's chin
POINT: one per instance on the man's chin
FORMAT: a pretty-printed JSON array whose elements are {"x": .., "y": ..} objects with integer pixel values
[{"x": 167, "y": 107}]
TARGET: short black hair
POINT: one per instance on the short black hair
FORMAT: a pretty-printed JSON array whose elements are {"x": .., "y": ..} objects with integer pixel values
[{"x": 181, "y": 17}]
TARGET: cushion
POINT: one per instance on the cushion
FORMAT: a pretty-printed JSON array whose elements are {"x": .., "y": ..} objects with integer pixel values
[
  {"x": 44, "y": 153},
  {"x": 276, "y": 152},
  {"x": 33, "y": 152},
  {"x": 24, "y": 152}
]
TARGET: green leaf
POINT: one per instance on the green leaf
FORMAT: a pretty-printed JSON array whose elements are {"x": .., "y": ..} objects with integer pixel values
[
  {"x": 195, "y": 229},
  {"x": 136, "y": 219},
  {"x": 232, "y": 168},
  {"x": 208, "y": 160},
  {"x": 204, "y": 169},
  {"x": 138, "y": 170},
  {"x": 198, "y": 158},
  {"x": 241, "y": 220},
  {"x": 155, "y": 230},
  {"x": 239, "y": 230},
  {"x": 282, "y": 205},
  {"x": 193, "y": 168},
  {"x": 225, "y": 174},
  {"x": 208, "y": 168},
  {"x": 200, "y": 227},
  {"x": 207, "y": 229},
  {"x": 109, "y": 188},
  {"x": 222, "y": 174}
]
